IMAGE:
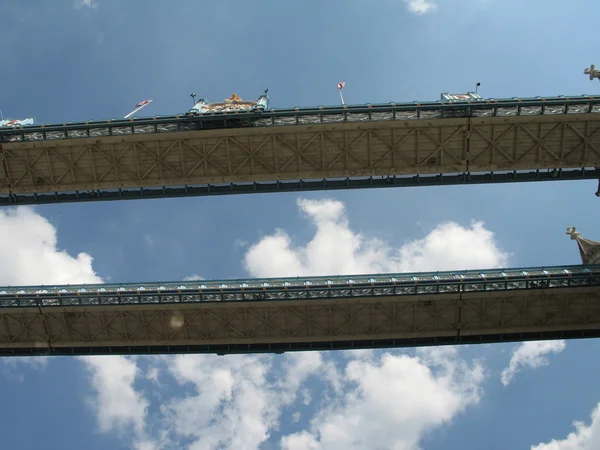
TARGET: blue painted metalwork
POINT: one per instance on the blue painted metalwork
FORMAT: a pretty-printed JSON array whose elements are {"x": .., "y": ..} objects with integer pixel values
[
  {"x": 515, "y": 176},
  {"x": 307, "y": 115},
  {"x": 309, "y": 288}
]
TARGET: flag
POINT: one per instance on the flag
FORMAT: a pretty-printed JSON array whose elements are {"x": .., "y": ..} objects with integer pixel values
[
  {"x": 340, "y": 86},
  {"x": 139, "y": 106}
]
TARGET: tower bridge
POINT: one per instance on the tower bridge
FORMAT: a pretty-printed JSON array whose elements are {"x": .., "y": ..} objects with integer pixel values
[
  {"x": 380, "y": 145},
  {"x": 313, "y": 313},
  {"x": 310, "y": 313}
]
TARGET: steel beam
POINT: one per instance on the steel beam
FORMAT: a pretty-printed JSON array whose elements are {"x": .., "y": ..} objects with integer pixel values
[
  {"x": 302, "y": 325},
  {"x": 302, "y": 152},
  {"x": 206, "y": 190},
  {"x": 288, "y": 315}
]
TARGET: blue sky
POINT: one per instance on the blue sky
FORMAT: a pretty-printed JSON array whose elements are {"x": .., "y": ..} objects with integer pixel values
[{"x": 70, "y": 61}]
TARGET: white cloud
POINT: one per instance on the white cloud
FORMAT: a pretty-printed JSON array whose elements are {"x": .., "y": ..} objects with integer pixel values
[
  {"x": 29, "y": 256},
  {"x": 306, "y": 397},
  {"x": 85, "y": 4},
  {"x": 118, "y": 404},
  {"x": 392, "y": 403},
  {"x": 237, "y": 401},
  {"x": 152, "y": 374},
  {"x": 585, "y": 437},
  {"x": 230, "y": 406},
  {"x": 245, "y": 394},
  {"x": 337, "y": 249},
  {"x": 13, "y": 367},
  {"x": 148, "y": 240},
  {"x": 29, "y": 253},
  {"x": 235, "y": 405},
  {"x": 239, "y": 244},
  {"x": 532, "y": 355},
  {"x": 300, "y": 441},
  {"x": 193, "y": 277},
  {"x": 420, "y": 6}
]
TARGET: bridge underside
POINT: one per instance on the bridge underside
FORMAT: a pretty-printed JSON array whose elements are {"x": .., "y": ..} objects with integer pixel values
[
  {"x": 267, "y": 187},
  {"x": 300, "y": 325},
  {"x": 325, "y": 156}
]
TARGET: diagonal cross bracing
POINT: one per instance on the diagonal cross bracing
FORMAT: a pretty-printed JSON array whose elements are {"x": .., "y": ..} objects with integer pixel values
[
  {"x": 181, "y": 161},
  {"x": 364, "y": 311}
]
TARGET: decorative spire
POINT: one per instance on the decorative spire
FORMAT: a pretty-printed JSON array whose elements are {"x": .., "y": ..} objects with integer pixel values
[
  {"x": 588, "y": 249},
  {"x": 234, "y": 98}
]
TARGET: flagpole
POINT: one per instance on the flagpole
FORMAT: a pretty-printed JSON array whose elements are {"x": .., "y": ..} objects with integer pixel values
[
  {"x": 138, "y": 108},
  {"x": 134, "y": 111},
  {"x": 340, "y": 86}
]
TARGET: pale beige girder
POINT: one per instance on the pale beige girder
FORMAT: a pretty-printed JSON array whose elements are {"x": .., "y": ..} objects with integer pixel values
[
  {"x": 411, "y": 319},
  {"x": 426, "y": 146}
]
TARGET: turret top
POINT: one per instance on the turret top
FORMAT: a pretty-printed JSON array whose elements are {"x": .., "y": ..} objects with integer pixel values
[
  {"x": 572, "y": 231},
  {"x": 588, "y": 249}
]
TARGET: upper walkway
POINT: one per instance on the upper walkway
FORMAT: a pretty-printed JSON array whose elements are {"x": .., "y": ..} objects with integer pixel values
[
  {"x": 506, "y": 107},
  {"x": 365, "y": 146},
  {"x": 312, "y": 313}
]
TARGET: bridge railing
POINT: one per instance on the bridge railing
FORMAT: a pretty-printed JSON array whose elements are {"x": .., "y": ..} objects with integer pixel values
[
  {"x": 305, "y": 116},
  {"x": 281, "y": 289}
]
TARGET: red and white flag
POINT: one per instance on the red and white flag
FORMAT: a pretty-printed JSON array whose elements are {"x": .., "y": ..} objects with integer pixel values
[
  {"x": 340, "y": 86},
  {"x": 138, "y": 106}
]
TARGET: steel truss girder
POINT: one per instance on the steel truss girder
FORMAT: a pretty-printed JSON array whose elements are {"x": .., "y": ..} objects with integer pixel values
[
  {"x": 302, "y": 152},
  {"x": 265, "y": 187},
  {"x": 302, "y": 325}
]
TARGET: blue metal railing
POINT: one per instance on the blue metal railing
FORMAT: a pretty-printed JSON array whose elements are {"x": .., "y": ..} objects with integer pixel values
[
  {"x": 307, "y": 288},
  {"x": 307, "y": 115}
]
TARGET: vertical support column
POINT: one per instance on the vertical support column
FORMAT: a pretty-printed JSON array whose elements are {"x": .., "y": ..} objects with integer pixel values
[
  {"x": 468, "y": 143},
  {"x": 5, "y": 169}
]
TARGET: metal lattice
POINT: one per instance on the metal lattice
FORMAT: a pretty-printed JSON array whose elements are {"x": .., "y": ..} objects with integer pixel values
[
  {"x": 521, "y": 304},
  {"x": 469, "y": 145}
]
